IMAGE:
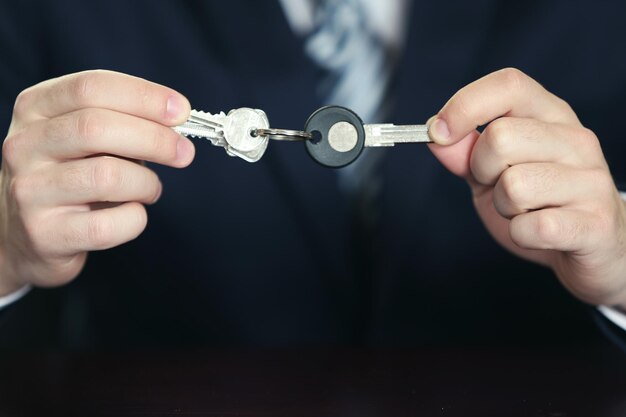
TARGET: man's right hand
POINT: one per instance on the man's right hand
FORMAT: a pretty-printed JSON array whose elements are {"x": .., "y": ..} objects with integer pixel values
[{"x": 70, "y": 182}]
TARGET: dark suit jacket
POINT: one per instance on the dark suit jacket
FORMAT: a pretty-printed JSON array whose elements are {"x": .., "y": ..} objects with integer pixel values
[{"x": 273, "y": 253}]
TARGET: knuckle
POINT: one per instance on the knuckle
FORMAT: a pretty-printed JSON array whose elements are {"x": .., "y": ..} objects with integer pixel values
[
  {"x": 11, "y": 148},
  {"x": 514, "y": 79},
  {"x": 588, "y": 135},
  {"x": 588, "y": 141},
  {"x": 106, "y": 174},
  {"x": 514, "y": 185},
  {"x": 21, "y": 190},
  {"x": 89, "y": 126},
  {"x": 549, "y": 228},
  {"x": 563, "y": 106},
  {"x": 497, "y": 135},
  {"x": 23, "y": 102},
  {"x": 85, "y": 87}
]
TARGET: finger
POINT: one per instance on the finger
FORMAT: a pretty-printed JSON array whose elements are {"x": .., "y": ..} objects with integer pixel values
[
  {"x": 103, "y": 89},
  {"x": 99, "y": 179},
  {"x": 97, "y": 131},
  {"x": 510, "y": 141},
  {"x": 101, "y": 229},
  {"x": 507, "y": 92},
  {"x": 559, "y": 229},
  {"x": 456, "y": 157},
  {"x": 534, "y": 186}
]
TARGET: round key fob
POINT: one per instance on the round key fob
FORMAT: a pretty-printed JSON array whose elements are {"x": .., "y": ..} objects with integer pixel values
[{"x": 338, "y": 136}]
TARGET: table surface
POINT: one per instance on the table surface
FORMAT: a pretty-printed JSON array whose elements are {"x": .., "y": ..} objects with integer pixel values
[{"x": 507, "y": 382}]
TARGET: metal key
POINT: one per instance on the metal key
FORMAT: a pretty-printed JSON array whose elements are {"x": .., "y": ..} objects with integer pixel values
[
  {"x": 204, "y": 125},
  {"x": 378, "y": 135},
  {"x": 240, "y": 133},
  {"x": 232, "y": 131},
  {"x": 341, "y": 136}
]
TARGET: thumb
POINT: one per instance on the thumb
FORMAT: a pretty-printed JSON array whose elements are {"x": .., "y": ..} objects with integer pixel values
[{"x": 455, "y": 157}]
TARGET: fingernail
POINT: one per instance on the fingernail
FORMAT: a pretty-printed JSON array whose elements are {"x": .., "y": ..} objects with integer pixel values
[
  {"x": 175, "y": 107},
  {"x": 439, "y": 132},
  {"x": 184, "y": 152}
]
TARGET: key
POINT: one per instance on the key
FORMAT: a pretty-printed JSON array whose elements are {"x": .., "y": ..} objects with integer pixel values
[
  {"x": 240, "y": 133},
  {"x": 204, "y": 125},
  {"x": 232, "y": 131},
  {"x": 339, "y": 136}
]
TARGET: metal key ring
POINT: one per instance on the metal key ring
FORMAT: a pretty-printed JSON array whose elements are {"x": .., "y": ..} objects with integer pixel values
[{"x": 283, "y": 134}]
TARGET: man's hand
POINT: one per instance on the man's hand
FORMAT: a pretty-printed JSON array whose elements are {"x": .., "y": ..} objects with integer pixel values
[
  {"x": 539, "y": 181},
  {"x": 70, "y": 182}
]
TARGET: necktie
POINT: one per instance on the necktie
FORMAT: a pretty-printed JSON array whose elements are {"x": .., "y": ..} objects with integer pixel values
[{"x": 344, "y": 45}]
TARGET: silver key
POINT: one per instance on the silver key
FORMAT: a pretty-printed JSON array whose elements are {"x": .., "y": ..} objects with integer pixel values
[
  {"x": 204, "y": 125},
  {"x": 240, "y": 133},
  {"x": 232, "y": 131},
  {"x": 378, "y": 135}
]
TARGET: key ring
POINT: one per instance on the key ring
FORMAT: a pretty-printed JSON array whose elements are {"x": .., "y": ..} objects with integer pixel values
[{"x": 283, "y": 134}]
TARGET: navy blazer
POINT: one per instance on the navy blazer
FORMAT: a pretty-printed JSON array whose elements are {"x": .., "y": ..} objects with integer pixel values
[{"x": 274, "y": 253}]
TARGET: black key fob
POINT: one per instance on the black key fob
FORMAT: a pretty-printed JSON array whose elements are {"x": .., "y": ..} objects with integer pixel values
[{"x": 338, "y": 136}]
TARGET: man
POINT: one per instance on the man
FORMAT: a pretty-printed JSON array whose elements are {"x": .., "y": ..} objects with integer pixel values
[{"x": 283, "y": 252}]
